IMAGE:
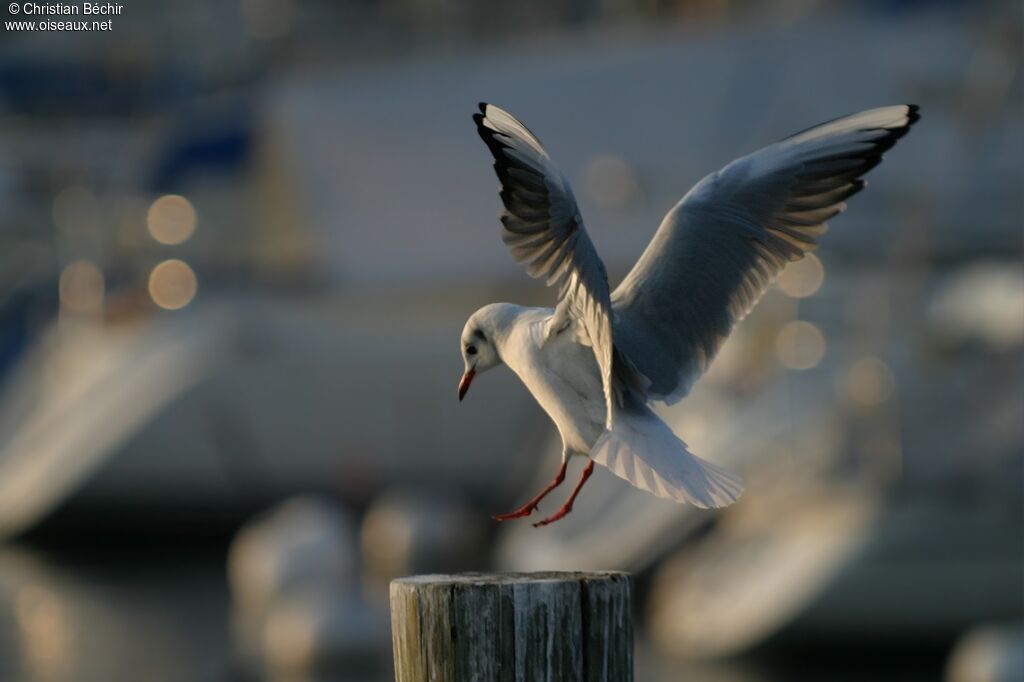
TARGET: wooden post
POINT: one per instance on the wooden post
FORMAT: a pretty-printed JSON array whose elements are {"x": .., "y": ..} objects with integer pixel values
[{"x": 513, "y": 627}]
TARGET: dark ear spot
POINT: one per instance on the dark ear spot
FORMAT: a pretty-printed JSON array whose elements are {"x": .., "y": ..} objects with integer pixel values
[{"x": 479, "y": 334}]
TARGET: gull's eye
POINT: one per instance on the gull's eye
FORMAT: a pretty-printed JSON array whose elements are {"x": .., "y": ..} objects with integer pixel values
[{"x": 470, "y": 350}]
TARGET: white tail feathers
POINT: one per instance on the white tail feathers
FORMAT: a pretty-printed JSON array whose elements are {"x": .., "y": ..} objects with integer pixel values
[{"x": 642, "y": 449}]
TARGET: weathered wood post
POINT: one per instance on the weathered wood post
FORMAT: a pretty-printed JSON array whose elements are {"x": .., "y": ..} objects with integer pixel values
[{"x": 513, "y": 627}]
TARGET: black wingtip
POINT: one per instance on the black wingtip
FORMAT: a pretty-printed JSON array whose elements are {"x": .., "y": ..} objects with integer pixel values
[
  {"x": 913, "y": 114},
  {"x": 479, "y": 117},
  {"x": 495, "y": 146}
]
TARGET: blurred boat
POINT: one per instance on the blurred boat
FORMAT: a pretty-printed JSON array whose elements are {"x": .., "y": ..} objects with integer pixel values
[
  {"x": 215, "y": 411},
  {"x": 840, "y": 565}
]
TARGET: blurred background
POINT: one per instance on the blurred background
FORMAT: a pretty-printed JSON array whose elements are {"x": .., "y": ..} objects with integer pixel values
[{"x": 238, "y": 243}]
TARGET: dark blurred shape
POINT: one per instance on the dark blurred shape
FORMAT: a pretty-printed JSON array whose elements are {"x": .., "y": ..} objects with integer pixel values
[
  {"x": 219, "y": 142},
  {"x": 76, "y": 615},
  {"x": 89, "y": 90}
]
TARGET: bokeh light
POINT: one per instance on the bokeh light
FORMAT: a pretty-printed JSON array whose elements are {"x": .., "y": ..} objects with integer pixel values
[
  {"x": 802, "y": 278},
  {"x": 800, "y": 345},
  {"x": 868, "y": 381},
  {"x": 171, "y": 219},
  {"x": 172, "y": 284},
  {"x": 81, "y": 287}
]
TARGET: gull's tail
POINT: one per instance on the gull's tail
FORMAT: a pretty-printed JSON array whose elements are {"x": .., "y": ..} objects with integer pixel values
[{"x": 642, "y": 449}]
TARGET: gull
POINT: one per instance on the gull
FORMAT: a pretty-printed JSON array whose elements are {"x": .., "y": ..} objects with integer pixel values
[{"x": 598, "y": 359}]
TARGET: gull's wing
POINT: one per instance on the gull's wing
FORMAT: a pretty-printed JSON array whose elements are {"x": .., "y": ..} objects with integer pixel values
[
  {"x": 720, "y": 247},
  {"x": 543, "y": 229}
]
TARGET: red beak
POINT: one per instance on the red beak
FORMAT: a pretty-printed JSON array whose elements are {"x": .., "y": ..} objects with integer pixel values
[{"x": 464, "y": 383}]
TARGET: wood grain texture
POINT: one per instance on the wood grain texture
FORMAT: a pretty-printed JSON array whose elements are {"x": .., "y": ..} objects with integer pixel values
[{"x": 513, "y": 627}]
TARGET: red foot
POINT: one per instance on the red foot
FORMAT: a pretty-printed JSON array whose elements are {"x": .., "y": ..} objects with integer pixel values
[
  {"x": 525, "y": 510},
  {"x": 528, "y": 508},
  {"x": 567, "y": 507}
]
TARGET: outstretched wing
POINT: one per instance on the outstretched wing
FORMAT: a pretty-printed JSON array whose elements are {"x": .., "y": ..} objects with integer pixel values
[
  {"x": 543, "y": 229},
  {"x": 720, "y": 247}
]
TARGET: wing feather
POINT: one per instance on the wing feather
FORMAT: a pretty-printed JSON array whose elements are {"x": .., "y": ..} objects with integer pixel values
[
  {"x": 723, "y": 244},
  {"x": 544, "y": 231}
]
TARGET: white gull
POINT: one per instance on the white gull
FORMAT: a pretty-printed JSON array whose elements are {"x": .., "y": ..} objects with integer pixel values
[{"x": 599, "y": 358}]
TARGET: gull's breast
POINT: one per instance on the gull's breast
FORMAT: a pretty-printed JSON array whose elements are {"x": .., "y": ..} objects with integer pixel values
[{"x": 563, "y": 377}]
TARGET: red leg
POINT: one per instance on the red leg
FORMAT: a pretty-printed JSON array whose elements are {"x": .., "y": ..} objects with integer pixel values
[
  {"x": 528, "y": 508},
  {"x": 567, "y": 507}
]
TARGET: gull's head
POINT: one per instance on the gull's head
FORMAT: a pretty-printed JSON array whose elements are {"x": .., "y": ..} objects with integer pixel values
[{"x": 479, "y": 339}]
